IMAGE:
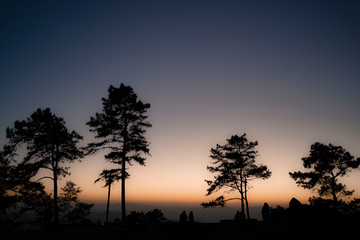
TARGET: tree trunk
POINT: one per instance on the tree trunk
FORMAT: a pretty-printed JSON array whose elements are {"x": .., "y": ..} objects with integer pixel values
[
  {"x": 335, "y": 199},
  {"x": 123, "y": 176},
  {"x": 123, "y": 172},
  {"x": 246, "y": 200},
  {"x": 333, "y": 190},
  {"x": 56, "y": 208},
  {"x": 108, "y": 203},
  {"x": 242, "y": 193}
]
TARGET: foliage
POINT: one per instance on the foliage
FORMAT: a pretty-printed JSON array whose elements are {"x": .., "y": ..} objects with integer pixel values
[
  {"x": 136, "y": 217},
  {"x": 121, "y": 127},
  {"x": 49, "y": 142},
  {"x": 71, "y": 209},
  {"x": 8, "y": 196},
  {"x": 69, "y": 195},
  {"x": 18, "y": 194},
  {"x": 214, "y": 203},
  {"x": 79, "y": 213},
  {"x": 319, "y": 211},
  {"x": 327, "y": 163},
  {"x": 110, "y": 176},
  {"x": 6, "y": 184},
  {"x": 49, "y": 145},
  {"x": 234, "y": 166},
  {"x": 153, "y": 216}
]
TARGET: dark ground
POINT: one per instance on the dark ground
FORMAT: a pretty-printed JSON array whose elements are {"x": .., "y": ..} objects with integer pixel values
[{"x": 229, "y": 230}]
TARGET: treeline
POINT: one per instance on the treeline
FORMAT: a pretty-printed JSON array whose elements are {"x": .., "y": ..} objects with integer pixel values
[
  {"x": 42, "y": 141},
  {"x": 234, "y": 167},
  {"x": 318, "y": 211}
]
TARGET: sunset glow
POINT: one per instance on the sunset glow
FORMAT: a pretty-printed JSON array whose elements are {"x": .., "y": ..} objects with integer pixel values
[{"x": 285, "y": 74}]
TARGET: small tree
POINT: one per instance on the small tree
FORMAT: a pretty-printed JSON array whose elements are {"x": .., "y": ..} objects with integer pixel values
[
  {"x": 72, "y": 210},
  {"x": 155, "y": 216},
  {"x": 121, "y": 126},
  {"x": 234, "y": 166},
  {"x": 69, "y": 195},
  {"x": 49, "y": 145},
  {"x": 109, "y": 176},
  {"x": 327, "y": 163}
]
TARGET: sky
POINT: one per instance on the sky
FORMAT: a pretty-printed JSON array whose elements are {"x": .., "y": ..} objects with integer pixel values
[{"x": 284, "y": 72}]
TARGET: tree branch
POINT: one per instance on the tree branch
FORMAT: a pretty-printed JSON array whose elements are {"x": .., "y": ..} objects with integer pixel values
[{"x": 45, "y": 177}]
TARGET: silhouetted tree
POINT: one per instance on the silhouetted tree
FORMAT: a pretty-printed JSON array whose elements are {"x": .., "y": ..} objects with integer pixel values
[
  {"x": 69, "y": 195},
  {"x": 355, "y": 204},
  {"x": 7, "y": 184},
  {"x": 80, "y": 213},
  {"x": 72, "y": 210},
  {"x": 135, "y": 217},
  {"x": 155, "y": 216},
  {"x": 121, "y": 126},
  {"x": 33, "y": 197},
  {"x": 49, "y": 145},
  {"x": 234, "y": 166},
  {"x": 109, "y": 176},
  {"x": 17, "y": 193},
  {"x": 326, "y": 164}
]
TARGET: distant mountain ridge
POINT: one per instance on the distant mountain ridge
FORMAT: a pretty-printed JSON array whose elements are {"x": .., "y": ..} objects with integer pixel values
[{"x": 173, "y": 211}]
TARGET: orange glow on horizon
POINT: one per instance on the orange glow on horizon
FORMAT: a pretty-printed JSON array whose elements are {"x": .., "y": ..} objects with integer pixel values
[
  {"x": 173, "y": 176},
  {"x": 181, "y": 198}
]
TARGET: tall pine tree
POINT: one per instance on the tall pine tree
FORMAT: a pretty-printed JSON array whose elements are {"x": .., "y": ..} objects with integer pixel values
[{"x": 121, "y": 127}]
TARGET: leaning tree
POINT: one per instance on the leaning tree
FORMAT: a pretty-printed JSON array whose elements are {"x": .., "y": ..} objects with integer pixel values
[
  {"x": 325, "y": 165},
  {"x": 50, "y": 145},
  {"x": 121, "y": 126},
  {"x": 234, "y": 166}
]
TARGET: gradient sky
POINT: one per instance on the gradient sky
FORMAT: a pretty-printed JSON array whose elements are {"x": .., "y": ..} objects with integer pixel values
[{"x": 284, "y": 72}]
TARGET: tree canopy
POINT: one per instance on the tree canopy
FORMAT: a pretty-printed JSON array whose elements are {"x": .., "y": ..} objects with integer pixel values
[
  {"x": 121, "y": 126},
  {"x": 234, "y": 166},
  {"x": 49, "y": 145},
  {"x": 326, "y": 164}
]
